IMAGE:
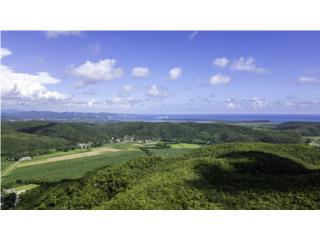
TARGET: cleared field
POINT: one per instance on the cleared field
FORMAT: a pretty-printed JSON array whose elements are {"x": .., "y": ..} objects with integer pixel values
[
  {"x": 184, "y": 145},
  {"x": 93, "y": 152},
  {"x": 71, "y": 169}
]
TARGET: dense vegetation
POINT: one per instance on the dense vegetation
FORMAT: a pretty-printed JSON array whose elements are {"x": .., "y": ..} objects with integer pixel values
[
  {"x": 302, "y": 128},
  {"x": 222, "y": 176},
  {"x": 41, "y": 137},
  {"x": 16, "y": 144}
]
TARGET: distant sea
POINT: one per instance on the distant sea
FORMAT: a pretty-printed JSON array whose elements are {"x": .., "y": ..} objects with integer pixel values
[
  {"x": 15, "y": 115},
  {"x": 267, "y": 118}
]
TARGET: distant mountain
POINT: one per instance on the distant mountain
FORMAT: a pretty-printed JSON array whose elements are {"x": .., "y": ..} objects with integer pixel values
[{"x": 15, "y": 115}]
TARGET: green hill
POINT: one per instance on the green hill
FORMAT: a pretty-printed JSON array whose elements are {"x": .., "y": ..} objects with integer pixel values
[
  {"x": 16, "y": 144},
  {"x": 172, "y": 132},
  {"x": 223, "y": 176},
  {"x": 34, "y": 136},
  {"x": 302, "y": 128},
  {"x": 31, "y": 138}
]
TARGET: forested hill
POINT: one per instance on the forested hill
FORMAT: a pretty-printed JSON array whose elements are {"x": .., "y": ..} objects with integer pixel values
[
  {"x": 302, "y": 128},
  {"x": 221, "y": 176},
  {"x": 33, "y": 137},
  {"x": 180, "y": 132}
]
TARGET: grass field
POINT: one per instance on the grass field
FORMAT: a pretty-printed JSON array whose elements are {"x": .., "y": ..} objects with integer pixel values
[{"x": 70, "y": 169}]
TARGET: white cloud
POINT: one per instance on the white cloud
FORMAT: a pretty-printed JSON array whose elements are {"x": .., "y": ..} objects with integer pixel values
[
  {"x": 27, "y": 86},
  {"x": 232, "y": 104},
  {"x": 219, "y": 79},
  {"x": 54, "y": 34},
  {"x": 116, "y": 100},
  {"x": 193, "y": 35},
  {"x": 155, "y": 91},
  {"x": 4, "y": 52},
  {"x": 307, "y": 104},
  {"x": 258, "y": 103},
  {"x": 122, "y": 102},
  {"x": 249, "y": 65},
  {"x": 91, "y": 102},
  {"x": 220, "y": 62},
  {"x": 25, "y": 89},
  {"x": 140, "y": 72},
  {"x": 254, "y": 103},
  {"x": 127, "y": 88},
  {"x": 91, "y": 72},
  {"x": 175, "y": 73},
  {"x": 304, "y": 79}
]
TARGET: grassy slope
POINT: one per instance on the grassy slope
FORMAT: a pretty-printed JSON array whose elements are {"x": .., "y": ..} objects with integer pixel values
[{"x": 227, "y": 176}]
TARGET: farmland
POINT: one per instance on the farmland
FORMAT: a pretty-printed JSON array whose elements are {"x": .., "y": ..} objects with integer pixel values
[{"x": 48, "y": 168}]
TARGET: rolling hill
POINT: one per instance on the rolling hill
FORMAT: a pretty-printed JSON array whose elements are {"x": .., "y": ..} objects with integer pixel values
[
  {"x": 302, "y": 128},
  {"x": 222, "y": 176},
  {"x": 34, "y": 137}
]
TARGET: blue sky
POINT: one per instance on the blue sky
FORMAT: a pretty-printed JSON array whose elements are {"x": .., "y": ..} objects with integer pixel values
[{"x": 161, "y": 72}]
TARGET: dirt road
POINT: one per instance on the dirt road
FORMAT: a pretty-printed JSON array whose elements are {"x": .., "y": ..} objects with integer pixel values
[{"x": 11, "y": 168}]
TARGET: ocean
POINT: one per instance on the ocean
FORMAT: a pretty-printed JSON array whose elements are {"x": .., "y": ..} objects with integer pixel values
[{"x": 267, "y": 118}]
